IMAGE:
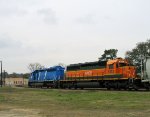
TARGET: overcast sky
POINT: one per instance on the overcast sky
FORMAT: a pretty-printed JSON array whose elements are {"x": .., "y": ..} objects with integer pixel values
[{"x": 68, "y": 31}]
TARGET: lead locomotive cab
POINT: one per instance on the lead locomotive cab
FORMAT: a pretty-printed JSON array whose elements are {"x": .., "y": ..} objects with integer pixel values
[
  {"x": 119, "y": 68},
  {"x": 119, "y": 74}
]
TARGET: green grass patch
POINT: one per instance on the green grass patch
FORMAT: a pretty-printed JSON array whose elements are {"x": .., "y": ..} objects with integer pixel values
[{"x": 82, "y": 101}]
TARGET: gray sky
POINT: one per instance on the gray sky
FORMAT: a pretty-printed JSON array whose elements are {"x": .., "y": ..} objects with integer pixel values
[{"x": 68, "y": 31}]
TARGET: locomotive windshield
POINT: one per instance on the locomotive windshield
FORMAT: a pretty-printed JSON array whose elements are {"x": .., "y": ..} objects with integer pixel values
[{"x": 122, "y": 64}]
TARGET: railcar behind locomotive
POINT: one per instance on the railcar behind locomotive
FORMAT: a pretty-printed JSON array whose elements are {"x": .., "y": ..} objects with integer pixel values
[{"x": 145, "y": 72}]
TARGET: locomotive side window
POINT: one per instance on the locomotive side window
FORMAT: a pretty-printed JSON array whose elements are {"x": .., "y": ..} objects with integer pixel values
[
  {"x": 111, "y": 66},
  {"x": 117, "y": 65}
]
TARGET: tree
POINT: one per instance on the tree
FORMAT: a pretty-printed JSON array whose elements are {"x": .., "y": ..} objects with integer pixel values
[
  {"x": 26, "y": 75},
  {"x": 35, "y": 66},
  {"x": 15, "y": 75},
  {"x": 109, "y": 54},
  {"x": 141, "y": 49}
]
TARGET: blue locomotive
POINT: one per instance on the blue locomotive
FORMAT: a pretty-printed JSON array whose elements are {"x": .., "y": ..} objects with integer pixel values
[{"x": 47, "y": 77}]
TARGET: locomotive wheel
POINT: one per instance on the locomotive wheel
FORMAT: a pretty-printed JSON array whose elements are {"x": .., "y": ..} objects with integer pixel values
[
  {"x": 75, "y": 87},
  {"x": 108, "y": 88},
  {"x": 148, "y": 88},
  {"x": 130, "y": 89},
  {"x": 135, "y": 87}
]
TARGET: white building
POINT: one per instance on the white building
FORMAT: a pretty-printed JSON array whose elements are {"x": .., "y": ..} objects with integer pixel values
[{"x": 16, "y": 82}]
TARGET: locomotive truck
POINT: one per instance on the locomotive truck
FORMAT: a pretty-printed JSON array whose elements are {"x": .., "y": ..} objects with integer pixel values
[{"x": 116, "y": 74}]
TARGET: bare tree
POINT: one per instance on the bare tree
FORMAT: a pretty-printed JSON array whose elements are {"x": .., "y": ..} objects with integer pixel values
[
  {"x": 35, "y": 66},
  {"x": 61, "y": 64}
]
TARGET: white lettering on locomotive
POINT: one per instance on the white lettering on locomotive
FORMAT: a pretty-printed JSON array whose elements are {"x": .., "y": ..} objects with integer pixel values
[{"x": 88, "y": 73}]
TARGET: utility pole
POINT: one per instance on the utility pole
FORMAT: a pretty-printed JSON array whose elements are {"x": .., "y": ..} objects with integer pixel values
[
  {"x": 4, "y": 77},
  {"x": 1, "y": 75}
]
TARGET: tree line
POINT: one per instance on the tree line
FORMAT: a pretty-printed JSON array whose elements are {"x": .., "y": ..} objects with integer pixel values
[{"x": 15, "y": 75}]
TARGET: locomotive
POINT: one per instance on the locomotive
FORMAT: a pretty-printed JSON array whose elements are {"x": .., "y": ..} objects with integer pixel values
[
  {"x": 116, "y": 74},
  {"x": 47, "y": 77}
]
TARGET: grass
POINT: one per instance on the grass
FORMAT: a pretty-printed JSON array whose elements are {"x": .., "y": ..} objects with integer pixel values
[{"x": 75, "y": 103}]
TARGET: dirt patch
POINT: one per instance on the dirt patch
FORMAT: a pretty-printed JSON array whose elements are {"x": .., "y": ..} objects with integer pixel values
[{"x": 10, "y": 112}]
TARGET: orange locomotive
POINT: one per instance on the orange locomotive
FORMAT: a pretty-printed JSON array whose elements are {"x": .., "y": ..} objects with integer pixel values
[{"x": 115, "y": 73}]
